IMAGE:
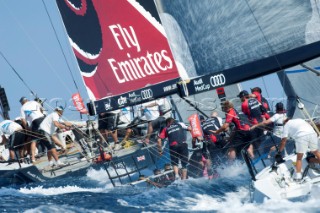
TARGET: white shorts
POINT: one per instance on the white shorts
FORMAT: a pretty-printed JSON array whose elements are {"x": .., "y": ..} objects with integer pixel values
[{"x": 305, "y": 142}]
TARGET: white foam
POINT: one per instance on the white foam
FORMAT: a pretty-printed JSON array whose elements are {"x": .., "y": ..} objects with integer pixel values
[{"x": 58, "y": 190}]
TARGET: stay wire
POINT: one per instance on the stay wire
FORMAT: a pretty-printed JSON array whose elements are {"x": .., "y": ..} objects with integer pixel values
[
  {"x": 265, "y": 37},
  {"x": 64, "y": 56},
  {"x": 15, "y": 71}
]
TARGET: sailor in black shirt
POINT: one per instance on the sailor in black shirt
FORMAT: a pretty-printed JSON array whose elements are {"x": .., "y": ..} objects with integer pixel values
[{"x": 175, "y": 132}]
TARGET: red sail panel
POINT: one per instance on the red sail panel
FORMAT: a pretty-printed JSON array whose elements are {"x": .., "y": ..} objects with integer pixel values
[{"x": 118, "y": 45}]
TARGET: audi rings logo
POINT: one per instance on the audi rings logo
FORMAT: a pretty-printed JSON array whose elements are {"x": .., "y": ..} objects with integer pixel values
[
  {"x": 217, "y": 80},
  {"x": 146, "y": 94}
]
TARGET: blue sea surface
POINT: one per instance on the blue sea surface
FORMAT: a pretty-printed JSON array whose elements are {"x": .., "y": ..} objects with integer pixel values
[{"x": 94, "y": 193}]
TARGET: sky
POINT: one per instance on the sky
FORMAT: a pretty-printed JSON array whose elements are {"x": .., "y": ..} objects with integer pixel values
[{"x": 28, "y": 42}]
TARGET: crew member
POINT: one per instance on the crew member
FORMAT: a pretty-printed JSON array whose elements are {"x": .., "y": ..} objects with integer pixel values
[
  {"x": 31, "y": 117},
  {"x": 242, "y": 136},
  {"x": 48, "y": 128},
  {"x": 175, "y": 132},
  {"x": 305, "y": 138},
  {"x": 252, "y": 108},
  {"x": 277, "y": 120},
  {"x": 14, "y": 134}
]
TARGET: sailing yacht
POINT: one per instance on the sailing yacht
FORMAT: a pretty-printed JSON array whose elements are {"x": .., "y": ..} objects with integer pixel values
[{"x": 135, "y": 51}]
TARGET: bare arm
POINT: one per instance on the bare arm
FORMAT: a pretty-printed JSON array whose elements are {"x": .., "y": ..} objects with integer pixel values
[
  {"x": 282, "y": 144},
  {"x": 224, "y": 128},
  {"x": 24, "y": 123},
  {"x": 263, "y": 123},
  {"x": 59, "y": 125}
]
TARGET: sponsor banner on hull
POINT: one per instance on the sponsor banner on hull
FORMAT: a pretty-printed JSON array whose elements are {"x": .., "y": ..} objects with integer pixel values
[{"x": 136, "y": 97}]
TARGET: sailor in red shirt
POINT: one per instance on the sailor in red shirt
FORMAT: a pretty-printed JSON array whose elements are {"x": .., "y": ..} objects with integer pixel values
[
  {"x": 256, "y": 93},
  {"x": 242, "y": 136},
  {"x": 252, "y": 108},
  {"x": 175, "y": 132}
]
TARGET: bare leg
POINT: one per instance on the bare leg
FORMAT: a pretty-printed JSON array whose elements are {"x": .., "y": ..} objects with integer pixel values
[
  {"x": 114, "y": 135},
  {"x": 128, "y": 133},
  {"x": 33, "y": 150},
  {"x": 57, "y": 141},
  {"x": 250, "y": 151},
  {"x": 53, "y": 153},
  {"x": 176, "y": 170},
  {"x": 49, "y": 154},
  {"x": 12, "y": 154},
  {"x": 232, "y": 154},
  {"x": 299, "y": 162},
  {"x": 103, "y": 135},
  {"x": 184, "y": 174},
  {"x": 150, "y": 130}
]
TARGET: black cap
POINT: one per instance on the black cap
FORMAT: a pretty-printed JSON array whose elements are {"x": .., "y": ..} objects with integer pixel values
[
  {"x": 279, "y": 107},
  {"x": 243, "y": 93},
  {"x": 22, "y": 99},
  {"x": 258, "y": 89},
  {"x": 201, "y": 117}
]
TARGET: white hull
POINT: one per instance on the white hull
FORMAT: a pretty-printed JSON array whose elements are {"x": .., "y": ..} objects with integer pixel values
[{"x": 278, "y": 183}]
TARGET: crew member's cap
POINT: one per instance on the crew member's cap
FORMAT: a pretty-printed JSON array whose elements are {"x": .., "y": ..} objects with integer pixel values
[
  {"x": 201, "y": 117},
  {"x": 22, "y": 99},
  {"x": 59, "y": 108},
  {"x": 243, "y": 93},
  {"x": 279, "y": 107}
]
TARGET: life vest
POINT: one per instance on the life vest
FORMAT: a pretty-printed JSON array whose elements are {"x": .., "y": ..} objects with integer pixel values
[
  {"x": 176, "y": 134},
  {"x": 243, "y": 120},
  {"x": 254, "y": 109},
  {"x": 210, "y": 124}
]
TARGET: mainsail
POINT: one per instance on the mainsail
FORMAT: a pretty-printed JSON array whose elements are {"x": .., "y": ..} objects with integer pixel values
[
  {"x": 299, "y": 81},
  {"x": 121, "y": 49},
  {"x": 240, "y": 40}
]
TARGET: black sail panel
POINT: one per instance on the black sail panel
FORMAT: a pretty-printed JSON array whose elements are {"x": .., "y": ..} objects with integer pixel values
[{"x": 241, "y": 40}]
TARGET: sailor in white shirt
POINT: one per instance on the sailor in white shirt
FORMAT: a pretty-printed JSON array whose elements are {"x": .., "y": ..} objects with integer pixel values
[
  {"x": 48, "y": 127},
  {"x": 156, "y": 112},
  {"x": 14, "y": 134},
  {"x": 31, "y": 117},
  {"x": 305, "y": 138},
  {"x": 278, "y": 123}
]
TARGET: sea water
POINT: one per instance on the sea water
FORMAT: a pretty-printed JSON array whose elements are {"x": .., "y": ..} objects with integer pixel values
[{"x": 230, "y": 192}]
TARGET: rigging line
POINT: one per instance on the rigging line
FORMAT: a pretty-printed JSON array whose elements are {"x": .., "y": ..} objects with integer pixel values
[
  {"x": 264, "y": 36},
  {"x": 15, "y": 71},
  {"x": 35, "y": 45},
  {"x": 265, "y": 87},
  {"x": 56, "y": 35}
]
